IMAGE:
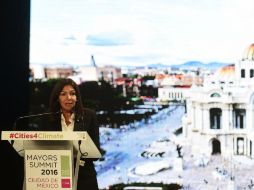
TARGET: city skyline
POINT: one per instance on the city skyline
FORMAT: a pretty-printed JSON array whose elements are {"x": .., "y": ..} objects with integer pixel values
[{"x": 132, "y": 33}]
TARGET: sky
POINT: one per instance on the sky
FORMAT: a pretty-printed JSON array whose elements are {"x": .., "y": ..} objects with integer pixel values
[{"x": 143, "y": 32}]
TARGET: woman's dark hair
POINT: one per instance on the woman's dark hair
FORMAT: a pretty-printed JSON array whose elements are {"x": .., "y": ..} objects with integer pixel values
[{"x": 54, "y": 105}]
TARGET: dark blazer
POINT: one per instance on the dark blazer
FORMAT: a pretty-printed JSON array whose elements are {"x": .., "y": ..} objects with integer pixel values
[
  {"x": 86, "y": 123},
  {"x": 87, "y": 174}
]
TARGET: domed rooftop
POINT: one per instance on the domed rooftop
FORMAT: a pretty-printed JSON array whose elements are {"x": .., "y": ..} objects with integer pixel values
[
  {"x": 249, "y": 53},
  {"x": 225, "y": 73}
]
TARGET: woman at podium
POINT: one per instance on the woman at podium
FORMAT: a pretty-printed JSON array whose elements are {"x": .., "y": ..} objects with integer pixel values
[
  {"x": 67, "y": 114},
  {"x": 66, "y": 102}
]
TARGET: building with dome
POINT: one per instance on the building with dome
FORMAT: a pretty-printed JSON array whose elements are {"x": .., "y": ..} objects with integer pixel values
[{"x": 219, "y": 115}]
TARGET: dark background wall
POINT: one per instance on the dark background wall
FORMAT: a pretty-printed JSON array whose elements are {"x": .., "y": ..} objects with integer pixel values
[{"x": 14, "y": 59}]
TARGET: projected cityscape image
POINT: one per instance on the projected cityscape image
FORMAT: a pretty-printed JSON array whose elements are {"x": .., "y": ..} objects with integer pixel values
[{"x": 172, "y": 84}]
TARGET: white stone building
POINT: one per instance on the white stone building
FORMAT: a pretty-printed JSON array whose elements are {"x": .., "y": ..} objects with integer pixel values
[
  {"x": 220, "y": 115},
  {"x": 92, "y": 72},
  {"x": 86, "y": 72},
  {"x": 169, "y": 93},
  {"x": 173, "y": 87}
]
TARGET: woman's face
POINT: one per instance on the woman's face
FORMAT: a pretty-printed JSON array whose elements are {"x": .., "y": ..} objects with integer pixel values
[{"x": 67, "y": 98}]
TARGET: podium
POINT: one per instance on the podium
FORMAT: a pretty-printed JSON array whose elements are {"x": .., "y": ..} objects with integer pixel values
[{"x": 49, "y": 157}]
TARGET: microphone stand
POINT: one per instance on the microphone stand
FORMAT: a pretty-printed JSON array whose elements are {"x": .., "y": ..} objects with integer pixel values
[
  {"x": 27, "y": 117},
  {"x": 31, "y": 116}
]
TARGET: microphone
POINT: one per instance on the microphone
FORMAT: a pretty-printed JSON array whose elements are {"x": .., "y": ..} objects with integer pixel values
[
  {"x": 83, "y": 154},
  {"x": 31, "y": 116}
]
